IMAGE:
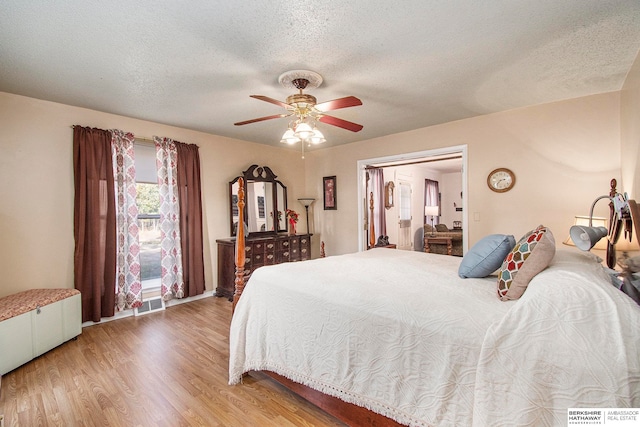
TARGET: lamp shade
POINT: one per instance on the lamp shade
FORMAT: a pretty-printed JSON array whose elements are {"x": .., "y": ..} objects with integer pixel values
[
  {"x": 306, "y": 201},
  {"x": 585, "y": 237},
  {"x": 289, "y": 137},
  {"x": 317, "y": 137},
  {"x": 595, "y": 222},
  {"x": 303, "y": 131},
  {"x": 432, "y": 210}
]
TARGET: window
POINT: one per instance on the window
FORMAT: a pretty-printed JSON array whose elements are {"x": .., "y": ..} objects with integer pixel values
[{"x": 148, "y": 201}]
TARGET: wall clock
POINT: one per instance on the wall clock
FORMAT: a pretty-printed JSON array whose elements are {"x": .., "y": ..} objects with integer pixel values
[{"x": 501, "y": 180}]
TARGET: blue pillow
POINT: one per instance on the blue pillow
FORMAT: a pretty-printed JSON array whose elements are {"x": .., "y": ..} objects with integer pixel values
[{"x": 486, "y": 256}]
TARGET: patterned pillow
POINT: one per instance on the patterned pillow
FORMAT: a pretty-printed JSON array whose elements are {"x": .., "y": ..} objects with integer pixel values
[{"x": 532, "y": 254}]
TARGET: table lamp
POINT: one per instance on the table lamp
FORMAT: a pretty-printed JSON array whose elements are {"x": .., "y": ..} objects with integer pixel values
[{"x": 432, "y": 211}]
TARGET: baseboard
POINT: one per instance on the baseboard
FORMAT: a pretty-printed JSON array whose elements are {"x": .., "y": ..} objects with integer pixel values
[{"x": 127, "y": 313}]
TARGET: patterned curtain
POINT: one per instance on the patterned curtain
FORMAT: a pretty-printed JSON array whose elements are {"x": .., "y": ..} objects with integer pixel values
[
  {"x": 172, "y": 284},
  {"x": 128, "y": 282}
]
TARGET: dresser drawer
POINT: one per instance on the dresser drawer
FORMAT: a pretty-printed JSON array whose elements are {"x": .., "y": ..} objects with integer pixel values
[
  {"x": 283, "y": 244},
  {"x": 270, "y": 258},
  {"x": 305, "y": 248},
  {"x": 282, "y": 256},
  {"x": 259, "y": 251}
]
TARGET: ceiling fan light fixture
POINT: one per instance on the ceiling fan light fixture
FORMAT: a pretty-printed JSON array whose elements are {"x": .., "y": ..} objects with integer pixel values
[
  {"x": 303, "y": 131},
  {"x": 305, "y": 111},
  {"x": 317, "y": 137},
  {"x": 289, "y": 137}
]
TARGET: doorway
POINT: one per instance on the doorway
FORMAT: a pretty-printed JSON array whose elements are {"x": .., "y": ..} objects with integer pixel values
[{"x": 429, "y": 158}]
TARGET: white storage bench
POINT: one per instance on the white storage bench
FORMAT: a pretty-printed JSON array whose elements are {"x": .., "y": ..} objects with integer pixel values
[{"x": 35, "y": 321}]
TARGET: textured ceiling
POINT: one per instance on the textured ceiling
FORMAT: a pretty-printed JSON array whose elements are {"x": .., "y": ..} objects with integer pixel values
[{"x": 413, "y": 63}]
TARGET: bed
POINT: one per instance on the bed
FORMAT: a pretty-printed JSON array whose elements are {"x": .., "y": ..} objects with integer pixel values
[{"x": 435, "y": 349}]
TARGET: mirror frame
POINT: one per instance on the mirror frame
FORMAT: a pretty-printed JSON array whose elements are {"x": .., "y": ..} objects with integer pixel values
[{"x": 257, "y": 173}]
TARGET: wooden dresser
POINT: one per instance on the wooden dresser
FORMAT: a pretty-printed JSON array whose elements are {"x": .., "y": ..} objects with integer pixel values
[{"x": 262, "y": 250}]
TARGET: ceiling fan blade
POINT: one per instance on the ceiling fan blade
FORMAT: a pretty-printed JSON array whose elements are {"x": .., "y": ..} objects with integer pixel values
[
  {"x": 260, "y": 119},
  {"x": 330, "y": 120},
  {"x": 347, "y": 101},
  {"x": 271, "y": 100}
]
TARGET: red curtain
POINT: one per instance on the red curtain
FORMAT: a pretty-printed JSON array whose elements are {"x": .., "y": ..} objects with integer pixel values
[
  {"x": 189, "y": 195},
  {"x": 94, "y": 222}
]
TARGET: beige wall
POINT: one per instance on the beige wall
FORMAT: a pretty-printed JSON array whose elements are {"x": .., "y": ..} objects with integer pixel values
[
  {"x": 563, "y": 155},
  {"x": 630, "y": 131},
  {"x": 36, "y": 194}
]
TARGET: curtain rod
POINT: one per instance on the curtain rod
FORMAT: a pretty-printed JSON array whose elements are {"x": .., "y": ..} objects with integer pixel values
[
  {"x": 417, "y": 162},
  {"x": 141, "y": 138}
]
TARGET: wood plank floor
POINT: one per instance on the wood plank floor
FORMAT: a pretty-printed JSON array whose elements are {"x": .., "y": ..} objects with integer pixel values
[{"x": 163, "y": 369}]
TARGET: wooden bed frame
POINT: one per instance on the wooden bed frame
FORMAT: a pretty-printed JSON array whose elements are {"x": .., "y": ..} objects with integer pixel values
[{"x": 351, "y": 414}]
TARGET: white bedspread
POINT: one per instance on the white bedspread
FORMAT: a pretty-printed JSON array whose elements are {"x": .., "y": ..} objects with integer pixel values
[
  {"x": 399, "y": 333},
  {"x": 572, "y": 341}
]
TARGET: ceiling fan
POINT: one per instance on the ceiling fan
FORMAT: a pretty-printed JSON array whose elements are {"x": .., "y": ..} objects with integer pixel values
[{"x": 305, "y": 109}]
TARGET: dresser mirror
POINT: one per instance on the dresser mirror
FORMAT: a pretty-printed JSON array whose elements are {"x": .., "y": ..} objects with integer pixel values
[{"x": 266, "y": 202}]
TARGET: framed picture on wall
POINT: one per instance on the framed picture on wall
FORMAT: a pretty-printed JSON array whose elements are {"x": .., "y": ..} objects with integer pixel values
[
  {"x": 388, "y": 195},
  {"x": 329, "y": 187}
]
